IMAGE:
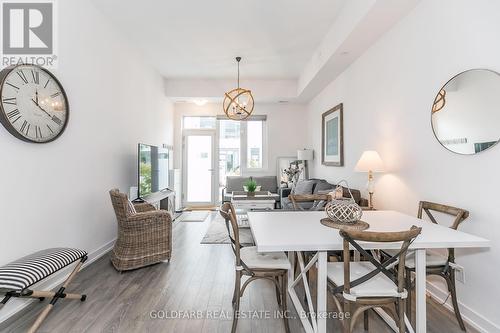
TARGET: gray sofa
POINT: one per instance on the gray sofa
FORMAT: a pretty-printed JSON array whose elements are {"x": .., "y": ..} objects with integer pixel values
[
  {"x": 235, "y": 183},
  {"x": 315, "y": 186}
]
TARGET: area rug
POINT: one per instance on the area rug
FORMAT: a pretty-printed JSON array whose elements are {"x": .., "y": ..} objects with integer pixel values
[
  {"x": 217, "y": 233},
  {"x": 196, "y": 216}
]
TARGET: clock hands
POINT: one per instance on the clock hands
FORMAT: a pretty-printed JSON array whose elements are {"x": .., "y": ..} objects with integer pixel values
[
  {"x": 54, "y": 118},
  {"x": 36, "y": 103}
]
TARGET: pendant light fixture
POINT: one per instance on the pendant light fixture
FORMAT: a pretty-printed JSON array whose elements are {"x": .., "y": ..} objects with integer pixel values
[{"x": 238, "y": 103}]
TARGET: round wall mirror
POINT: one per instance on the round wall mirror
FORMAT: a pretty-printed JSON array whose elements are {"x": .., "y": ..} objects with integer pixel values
[{"x": 466, "y": 112}]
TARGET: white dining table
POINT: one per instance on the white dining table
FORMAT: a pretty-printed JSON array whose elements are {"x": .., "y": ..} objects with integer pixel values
[{"x": 299, "y": 231}]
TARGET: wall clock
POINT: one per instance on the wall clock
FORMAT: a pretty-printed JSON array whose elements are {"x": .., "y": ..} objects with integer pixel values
[{"x": 33, "y": 105}]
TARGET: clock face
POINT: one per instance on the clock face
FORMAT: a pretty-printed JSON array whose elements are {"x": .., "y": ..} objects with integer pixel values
[{"x": 34, "y": 106}]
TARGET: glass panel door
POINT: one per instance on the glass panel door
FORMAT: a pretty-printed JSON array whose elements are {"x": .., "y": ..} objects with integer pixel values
[{"x": 199, "y": 175}]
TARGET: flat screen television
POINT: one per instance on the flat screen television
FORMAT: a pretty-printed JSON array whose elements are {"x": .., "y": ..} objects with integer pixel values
[{"x": 153, "y": 169}]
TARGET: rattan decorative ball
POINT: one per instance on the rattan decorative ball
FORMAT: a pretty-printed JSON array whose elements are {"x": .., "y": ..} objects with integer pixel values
[
  {"x": 344, "y": 210},
  {"x": 238, "y": 104}
]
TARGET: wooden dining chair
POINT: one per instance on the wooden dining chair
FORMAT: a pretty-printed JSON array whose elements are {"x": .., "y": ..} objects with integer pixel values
[
  {"x": 270, "y": 266},
  {"x": 319, "y": 201},
  {"x": 370, "y": 284},
  {"x": 438, "y": 264}
]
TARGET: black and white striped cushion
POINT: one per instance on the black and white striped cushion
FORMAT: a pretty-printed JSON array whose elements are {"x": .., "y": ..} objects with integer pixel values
[{"x": 22, "y": 273}]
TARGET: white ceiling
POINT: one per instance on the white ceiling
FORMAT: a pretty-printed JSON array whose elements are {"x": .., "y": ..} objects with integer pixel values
[{"x": 200, "y": 38}]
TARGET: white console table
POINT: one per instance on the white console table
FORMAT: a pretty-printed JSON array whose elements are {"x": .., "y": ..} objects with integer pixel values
[{"x": 259, "y": 201}]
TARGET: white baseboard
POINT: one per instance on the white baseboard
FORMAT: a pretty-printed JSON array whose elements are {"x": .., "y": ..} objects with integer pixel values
[
  {"x": 476, "y": 320},
  {"x": 15, "y": 304}
]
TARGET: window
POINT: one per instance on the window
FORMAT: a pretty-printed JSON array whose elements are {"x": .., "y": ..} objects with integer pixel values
[
  {"x": 229, "y": 149},
  {"x": 241, "y": 146},
  {"x": 254, "y": 143},
  {"x": 199, "y": 122}
]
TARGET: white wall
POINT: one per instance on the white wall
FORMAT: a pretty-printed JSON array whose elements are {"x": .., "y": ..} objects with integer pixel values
[
  {"x": 286, "y": 129},
  {"x": 388, "y": 94},
  {"x": 56, "y": 194}
]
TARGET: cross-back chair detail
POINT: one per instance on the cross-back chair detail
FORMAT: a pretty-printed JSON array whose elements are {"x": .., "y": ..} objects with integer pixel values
[
  {"x": 273, "y": 267},
  {"x": 384, "y": 290},
  {"x": 445, "y": 267},
  {"x": 459, "y": 214},
  {"x": 320, "y": 200}
]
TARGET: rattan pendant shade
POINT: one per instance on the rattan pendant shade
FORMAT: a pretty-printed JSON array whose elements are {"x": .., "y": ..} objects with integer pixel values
[{"x": 238, "y": 103}]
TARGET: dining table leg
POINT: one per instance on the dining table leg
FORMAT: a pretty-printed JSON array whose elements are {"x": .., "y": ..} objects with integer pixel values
[
  {"x": 420, "y": 291},
  {"x": 291, "y": 271},
  {"x": 321, "y": 310}
]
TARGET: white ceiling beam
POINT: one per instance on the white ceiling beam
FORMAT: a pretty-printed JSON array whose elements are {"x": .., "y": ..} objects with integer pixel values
[
  {"x": 358, "y": 26},
  {"x": 264, "y": 91}
]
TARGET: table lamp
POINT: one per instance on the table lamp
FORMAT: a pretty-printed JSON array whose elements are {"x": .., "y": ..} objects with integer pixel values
[
  {"x": 370, "y": 162},
  {"x": 305, "y": 155}
]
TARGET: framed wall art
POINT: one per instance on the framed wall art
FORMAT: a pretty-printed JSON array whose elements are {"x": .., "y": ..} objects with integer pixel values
[{"x": 332, "y": 137}]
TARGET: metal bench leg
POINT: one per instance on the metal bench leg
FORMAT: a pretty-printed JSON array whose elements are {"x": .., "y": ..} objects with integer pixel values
[{"x": 5, "y": 299}]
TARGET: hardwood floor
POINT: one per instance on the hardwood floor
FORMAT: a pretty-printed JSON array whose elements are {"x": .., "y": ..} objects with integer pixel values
[{"x": 198, "y": 278}]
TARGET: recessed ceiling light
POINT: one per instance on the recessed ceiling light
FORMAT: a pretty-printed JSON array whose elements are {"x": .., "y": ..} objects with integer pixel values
[{"x": 200, "y": 102}]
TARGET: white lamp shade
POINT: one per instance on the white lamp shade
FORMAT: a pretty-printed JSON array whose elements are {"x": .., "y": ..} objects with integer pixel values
[
  {"x": 305, "y": 154},
  {"x": 370, "y": 161}
]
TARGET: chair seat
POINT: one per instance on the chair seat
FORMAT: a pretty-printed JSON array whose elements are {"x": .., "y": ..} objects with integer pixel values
[
  {"x": 20, "y": 274},
  {"x": 270, "y": 260},
  {"x": 378, "y": 286},
  {"x": 432, "y": 258}
]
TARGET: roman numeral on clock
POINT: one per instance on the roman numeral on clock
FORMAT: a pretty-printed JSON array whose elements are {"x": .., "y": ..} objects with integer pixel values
[
  {"x": 55, "y": 95},
  {"x": 36, "y": 76},
  {"x": 13, "y": 86},
  {"x": 13, "y": 113},
  {"x": 56, "y": 120},
  {"x": 25, "y": 127},
  {"x": 10, "y": 100},
  {"x": 38, "y": 133},
  {"x": 22, "y": 76},
  {"x": 14, "y": 121}
]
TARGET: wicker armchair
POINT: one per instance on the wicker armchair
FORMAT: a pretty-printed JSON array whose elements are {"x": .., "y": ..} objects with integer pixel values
[{"x": 144, "y": 234}]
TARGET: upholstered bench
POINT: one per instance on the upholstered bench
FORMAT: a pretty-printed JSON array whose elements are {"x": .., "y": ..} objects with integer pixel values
[{"x": 17, "y": 277}]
